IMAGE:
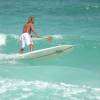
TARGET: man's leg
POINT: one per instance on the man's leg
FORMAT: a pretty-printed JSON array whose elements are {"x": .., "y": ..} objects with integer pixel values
[
  {"x": 21, "y": 51},
  {"x": 22, "y": 44},
  {"x": 31, "y": 47}
]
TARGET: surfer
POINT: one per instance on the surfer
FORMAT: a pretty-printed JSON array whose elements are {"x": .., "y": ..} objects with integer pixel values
[{"x": 26, "y": 37}]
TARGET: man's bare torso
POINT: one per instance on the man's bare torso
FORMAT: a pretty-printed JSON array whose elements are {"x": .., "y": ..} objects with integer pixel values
[{"x": 28, "y": 28}]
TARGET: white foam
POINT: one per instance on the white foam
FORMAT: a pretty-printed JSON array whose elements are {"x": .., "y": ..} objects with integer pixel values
[
  {"x": 2, "y": 39},
  {"x": 23, "y": 96},
  {"x": 28, "y": 88},
  {"x": 57, "y": 36},
  {"x": 8, "y": 58},
  {"x": 98, "y": 98},
  {"x": 41, "y": 85},
  {"x": 14, "y": 36}
]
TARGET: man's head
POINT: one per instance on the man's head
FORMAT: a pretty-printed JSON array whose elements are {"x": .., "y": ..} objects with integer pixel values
[{"x": 30, "y": 19}]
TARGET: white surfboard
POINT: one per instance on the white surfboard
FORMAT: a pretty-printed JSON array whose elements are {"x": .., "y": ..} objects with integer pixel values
[{"x": 45, "y": 52}]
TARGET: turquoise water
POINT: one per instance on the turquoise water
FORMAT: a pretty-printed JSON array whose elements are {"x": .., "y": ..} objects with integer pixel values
[{"x": 73, "y": 75}]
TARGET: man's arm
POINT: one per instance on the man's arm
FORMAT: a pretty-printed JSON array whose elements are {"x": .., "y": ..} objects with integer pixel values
[{"x": 32, "y": 29}]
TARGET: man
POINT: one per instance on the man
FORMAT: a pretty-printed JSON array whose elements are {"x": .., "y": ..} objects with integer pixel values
[{"x": 26, "y": 38}]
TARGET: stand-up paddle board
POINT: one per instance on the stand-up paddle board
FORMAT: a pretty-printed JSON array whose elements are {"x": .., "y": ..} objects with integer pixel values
[{"x": 44, "y": 52}]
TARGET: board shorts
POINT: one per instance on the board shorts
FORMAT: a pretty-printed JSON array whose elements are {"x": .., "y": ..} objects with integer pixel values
[{"x": 25, "y": 39}]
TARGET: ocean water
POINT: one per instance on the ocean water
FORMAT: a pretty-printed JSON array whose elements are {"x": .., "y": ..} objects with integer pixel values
[{"x": 74, "y": 75}]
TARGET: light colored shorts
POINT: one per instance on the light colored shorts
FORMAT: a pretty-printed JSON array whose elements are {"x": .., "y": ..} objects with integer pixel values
[{"x": 25, "y": 39}]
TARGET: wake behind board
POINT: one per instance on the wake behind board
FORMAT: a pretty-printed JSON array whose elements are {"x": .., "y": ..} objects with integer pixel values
[{"x": 45, "y": 52}]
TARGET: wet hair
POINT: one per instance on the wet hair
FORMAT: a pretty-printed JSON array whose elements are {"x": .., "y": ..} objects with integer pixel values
[{"x": 30, "y": 19}]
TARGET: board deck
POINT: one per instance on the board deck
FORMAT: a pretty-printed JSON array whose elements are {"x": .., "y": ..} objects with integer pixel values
[{"x": 45, "y": 52}]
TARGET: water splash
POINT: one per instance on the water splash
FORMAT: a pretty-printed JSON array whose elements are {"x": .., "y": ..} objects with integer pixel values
[{"x": 2, "y": 39}]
